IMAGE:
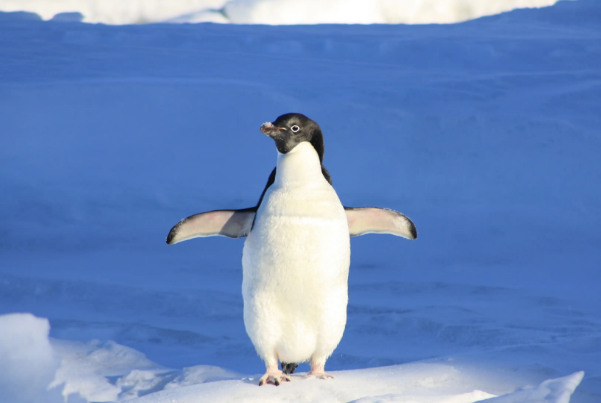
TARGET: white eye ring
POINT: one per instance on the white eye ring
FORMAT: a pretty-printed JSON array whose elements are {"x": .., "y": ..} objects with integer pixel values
[{"x": 295, "y": 128}]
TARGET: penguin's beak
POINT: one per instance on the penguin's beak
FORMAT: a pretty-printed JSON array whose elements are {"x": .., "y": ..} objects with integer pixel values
[{"x": 269, "y": 129}]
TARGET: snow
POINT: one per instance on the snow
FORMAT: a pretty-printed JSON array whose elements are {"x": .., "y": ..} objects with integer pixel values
[
  {"x": 273, "y": 12},
  {"x": 86, "y": 369},
  {"x": 423, "y": 383},
  {"x": 485, "y": 133},
  {"x": 278, "y": 12},
  {"x": 28, "y": 361},
  {"x": 557, "y": 390},
  {"x": 106, "y": 372},
  {"x": 113, "y": 11}
]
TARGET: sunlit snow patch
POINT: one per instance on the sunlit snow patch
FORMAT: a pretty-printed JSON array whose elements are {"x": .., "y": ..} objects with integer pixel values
[
  {"x": 28, "y": 363},
  {"x": 275, "y": 12},
  {"x": 414, "y": 382},
  {"x": 37, "y": 369},
  {"x": 113, "y": 11},
  {"x": 280, "y": 12},
  {"x": 109, "y": 371},
  {"x": 551, "y": 391},
  {"x": 98, "y": 371}
]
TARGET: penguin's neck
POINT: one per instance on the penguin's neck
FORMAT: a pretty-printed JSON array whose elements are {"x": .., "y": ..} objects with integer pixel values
[{"x": 299, "y": 167}]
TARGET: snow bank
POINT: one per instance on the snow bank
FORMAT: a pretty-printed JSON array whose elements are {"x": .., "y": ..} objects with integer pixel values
[
  {"x": 28, "y": 363},
  {"x": 415, "y": 382},
  {"x": 274, "y": 12},
  {"x": 86, "y": 367},
  {"x": 36, "y": 369},
  {"x": 99, "y": 372},
  {"x": 553, "y": 390},
  {"x": 113, "y": 11},
  {"x": 95, "y": 371},
  {"x": 283, "y": 12}
]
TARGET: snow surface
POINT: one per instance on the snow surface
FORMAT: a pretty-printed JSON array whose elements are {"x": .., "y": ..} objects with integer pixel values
[
  {"x": 277, "y": 12},
  {"x": 113, "y": 11},
  {"x": 93, "y": 372},
  {"x": 486, "y": 134},
  {"x": 29, "y": 363},
  {"x": 273, "y": 12}
]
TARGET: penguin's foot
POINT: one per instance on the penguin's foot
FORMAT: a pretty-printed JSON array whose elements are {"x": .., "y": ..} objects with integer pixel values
[
  {"x": 319, "y": 373},
  {"x": 273, "y": 376},
  {"x": 323, "y": 375}
]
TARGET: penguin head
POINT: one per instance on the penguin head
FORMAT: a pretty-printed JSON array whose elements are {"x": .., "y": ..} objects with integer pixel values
[{"x": 291, "y": 129}]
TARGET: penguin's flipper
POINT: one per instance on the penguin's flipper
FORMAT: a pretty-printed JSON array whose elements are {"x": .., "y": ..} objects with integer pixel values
[
  {"x": 372, "y": 220},
  {"x": 229, "y": 223}
]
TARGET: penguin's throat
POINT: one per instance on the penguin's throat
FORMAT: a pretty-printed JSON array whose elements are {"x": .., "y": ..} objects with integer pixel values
[{"x": 299, "y": 167}]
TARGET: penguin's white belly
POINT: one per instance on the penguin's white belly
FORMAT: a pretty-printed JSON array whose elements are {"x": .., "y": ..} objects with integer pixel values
[{"x": 295, "y": 274}]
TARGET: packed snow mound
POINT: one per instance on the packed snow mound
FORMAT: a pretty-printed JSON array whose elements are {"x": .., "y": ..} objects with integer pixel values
[
  {"x": 415, "y": 382},
  {"x": 86, "y": 369},
  {"x": 273, "y": 12},
  {"x": 553, "y": 390},
  {"x": 28, "y": 361},
  {"x": 110, "y": 372},
  {"x": 38, "y": 369},
  {"x": 107, "y": 371}
]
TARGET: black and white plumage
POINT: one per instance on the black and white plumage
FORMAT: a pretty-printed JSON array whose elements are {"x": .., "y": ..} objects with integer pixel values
[{"x": 296, "y": 255}]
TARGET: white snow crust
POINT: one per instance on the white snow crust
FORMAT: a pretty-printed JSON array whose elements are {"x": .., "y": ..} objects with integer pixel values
[
  {"x": 273, "y": 12},
  {"x": 278, "y": 12},
  {"x": 109, "y": 372},
  {"x": 114, "y": 11},
  {"x": 418, "y": 383},
  {"x": 485, "y": 133},
  {"x": 28, "y": 363}
]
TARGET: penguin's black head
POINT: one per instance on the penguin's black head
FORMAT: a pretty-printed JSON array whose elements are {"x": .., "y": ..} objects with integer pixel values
[{"x": 291, "y": 129}]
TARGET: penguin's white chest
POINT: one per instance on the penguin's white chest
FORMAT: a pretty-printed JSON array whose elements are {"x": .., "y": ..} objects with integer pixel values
[{"x": 295, "y": 264}]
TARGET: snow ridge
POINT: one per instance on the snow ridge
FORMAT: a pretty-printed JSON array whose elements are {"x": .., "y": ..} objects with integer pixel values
[{"x": 273, "y": 12}]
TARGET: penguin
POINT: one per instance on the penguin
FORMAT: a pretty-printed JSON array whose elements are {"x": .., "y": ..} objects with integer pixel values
[{"x": 296, "y": 256}]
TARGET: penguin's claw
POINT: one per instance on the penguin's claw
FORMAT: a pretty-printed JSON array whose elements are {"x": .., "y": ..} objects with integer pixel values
[
  {"x": 274, "y": 379},
  {"x": 319, "y": 375}
]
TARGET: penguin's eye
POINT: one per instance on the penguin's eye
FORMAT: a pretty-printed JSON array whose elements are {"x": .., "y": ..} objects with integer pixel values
[{"x": 295, "y": 129}]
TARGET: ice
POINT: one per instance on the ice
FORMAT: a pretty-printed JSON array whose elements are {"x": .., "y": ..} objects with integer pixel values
[
  {"x": 277, "y": 12},
  {"x": 484, "y": 133},
  {"x": 86, "y": 370},
  {"x": 416, "y": 383},
  {"x": 273, "y": 12},
  {"x": 553, "y": 390},
  {"x": 28, "y": 361},
  {"x": 113, "y": 11},
  {"x": 103, "y": 372}
]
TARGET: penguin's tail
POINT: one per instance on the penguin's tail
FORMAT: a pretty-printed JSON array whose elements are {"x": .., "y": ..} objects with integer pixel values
[{"x": 288, "y": 368}]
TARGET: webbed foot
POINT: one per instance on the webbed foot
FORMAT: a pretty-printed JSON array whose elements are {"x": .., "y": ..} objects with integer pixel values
[
  {"x": 319, "y": 373},
  {"x": 273, "y": 376}
]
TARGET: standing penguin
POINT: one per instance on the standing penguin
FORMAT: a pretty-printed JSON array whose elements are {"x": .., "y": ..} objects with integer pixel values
[{"x": 296, "y": 256}]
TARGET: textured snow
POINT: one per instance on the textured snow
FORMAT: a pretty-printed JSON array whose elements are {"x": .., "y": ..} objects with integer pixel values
[
  {"x": 273, "y": 12},
  {"x": 277, "y": 12},
  {"x": 419, "y": 383},
  {"x": 29, "y": 363},
  {"x": 109, "y": 372},
  {"x": 552, "y": 390},
  {"x": 485, "y": 133},
  {"x": 113, "y": 11}
]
